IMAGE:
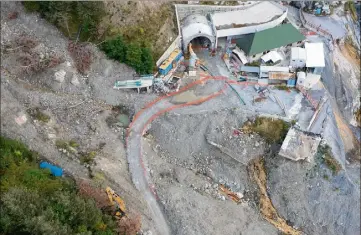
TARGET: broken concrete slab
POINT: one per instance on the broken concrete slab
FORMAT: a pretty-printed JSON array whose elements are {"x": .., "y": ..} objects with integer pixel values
[{"x": 299, "y": 145}]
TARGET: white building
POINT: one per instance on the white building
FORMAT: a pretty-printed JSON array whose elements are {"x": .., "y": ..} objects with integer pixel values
[
  {"x": 308, "y": 80},
  {"x": 298, "y": 57},
  {"x": 315, "y": 58}
]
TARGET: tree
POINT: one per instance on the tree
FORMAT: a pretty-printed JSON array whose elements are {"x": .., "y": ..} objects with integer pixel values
[
  {"x": 134, "y": 57},
  {"x": 115, "y": 49},
  {"x": 147, "y": 61}
]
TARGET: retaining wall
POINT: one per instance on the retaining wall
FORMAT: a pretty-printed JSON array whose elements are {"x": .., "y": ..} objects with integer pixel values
[
  {"x": 185, "y": 10},
  {"x": 175, "y": 44}
]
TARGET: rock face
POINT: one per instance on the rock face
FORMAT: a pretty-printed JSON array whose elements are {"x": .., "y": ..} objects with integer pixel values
[
  {"x": 59, "y": 76},
  {"x": 312, "y": 198}
]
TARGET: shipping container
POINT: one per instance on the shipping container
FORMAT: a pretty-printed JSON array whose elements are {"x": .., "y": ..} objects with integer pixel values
[{"x": 167, "y": 65}]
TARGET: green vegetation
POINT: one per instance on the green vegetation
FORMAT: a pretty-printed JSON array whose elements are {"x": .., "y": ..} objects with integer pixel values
[
  {"x": 131, "y": 44},
  {"x": 35, "y": 202},
  {"x": 282, "y": 87},
  {"x": 87, "y": 158},
  {"x": 325, "y": 176},
  {"x": 231, "y": 3},
  {"x": 132, "y": 54},
  {"x": 207, "y": 3},
  {"x": 68, "y": 146},
  {"x": 147, "y": 31},
  {"x": 350, "y": 7},
  {"x": 73, "y": 143},
  {"x": 358, "y": 116},
  {"x": 70, "y": 16},
  {"x": 37, "y": 114},
  {"x": 254, "y": 63},
  {"x": 272, "y": 130},
  {"x": 328, "y": 159}
]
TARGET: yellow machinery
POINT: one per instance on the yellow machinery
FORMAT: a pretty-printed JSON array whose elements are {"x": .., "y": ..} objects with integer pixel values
[{"x": 116, "y": 199}]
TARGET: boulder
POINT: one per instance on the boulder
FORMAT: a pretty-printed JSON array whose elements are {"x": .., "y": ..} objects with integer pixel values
[{"x": 59, "y": 76}]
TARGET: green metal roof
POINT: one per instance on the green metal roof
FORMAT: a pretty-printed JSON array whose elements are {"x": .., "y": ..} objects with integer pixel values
[{"x": 269, "y": 39}]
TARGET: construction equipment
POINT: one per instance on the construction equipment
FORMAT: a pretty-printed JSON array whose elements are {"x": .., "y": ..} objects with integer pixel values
[{"x": 114, "y": 198}]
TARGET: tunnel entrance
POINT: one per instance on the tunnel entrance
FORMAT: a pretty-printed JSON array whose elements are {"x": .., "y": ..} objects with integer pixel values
[{"x": 201, "y": 43}]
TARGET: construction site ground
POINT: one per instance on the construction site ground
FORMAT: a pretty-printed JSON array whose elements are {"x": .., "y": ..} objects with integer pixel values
[{"x": 170, "y": 163}]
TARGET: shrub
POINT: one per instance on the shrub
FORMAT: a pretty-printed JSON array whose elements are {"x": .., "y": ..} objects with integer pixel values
[
  {"x": 32, "y": 62},
  {"x": 88, "y": 157},
  {"x": 82, "y": 56},
  {"x": 37, "y": 114},
  {"x": 115, "y": 49},
  {"x": 132, "y": 54},
  {"x": 328, "y": 159},
  {"x": 358, "y": 116},
  {"x": 26, "y": 43}
]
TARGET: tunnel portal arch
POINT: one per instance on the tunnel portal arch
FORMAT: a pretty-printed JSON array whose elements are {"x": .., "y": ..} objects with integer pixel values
[{"x": 197, "y": 27}]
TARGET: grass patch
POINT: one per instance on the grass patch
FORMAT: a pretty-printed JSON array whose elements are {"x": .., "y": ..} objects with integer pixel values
[
  {"x": 73, "y": 143},
  {"x": 254, "y": 63},
  {"x": 272, "y": 130},
  {"x": 350, "y": 7},
  {"x": 282, "y": 87},
  {"x": 37, "y": 114},
  {"x": 67, "y": 145},
  {"x": 329, "y": 160},
  {"x": 88, "y": 157}
]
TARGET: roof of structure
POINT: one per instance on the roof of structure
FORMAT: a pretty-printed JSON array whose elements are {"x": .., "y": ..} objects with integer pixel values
[
  {"x": 249, "y": 69},
  {"x": 314, "y": 55},
  {"x": 269, "y": 39},
  {"x": 170, "y": 59},
  {"x": 298, "y": 53},
  {"x": 241, "y": 55},
  {"x": 281, "y": 76},
  {"x": 257, "y": 14},
  {"x": 273, "y": 56}
]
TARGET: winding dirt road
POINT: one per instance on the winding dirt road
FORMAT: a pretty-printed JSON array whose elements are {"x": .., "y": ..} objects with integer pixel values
[{"x": 137, "y": 166}]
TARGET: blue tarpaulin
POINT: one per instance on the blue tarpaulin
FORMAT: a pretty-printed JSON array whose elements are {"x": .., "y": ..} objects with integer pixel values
[{"x": 56, "y": 171}]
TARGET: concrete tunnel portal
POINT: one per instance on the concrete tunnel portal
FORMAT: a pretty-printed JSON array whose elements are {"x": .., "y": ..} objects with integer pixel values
[{"x": 196, "y": 29}]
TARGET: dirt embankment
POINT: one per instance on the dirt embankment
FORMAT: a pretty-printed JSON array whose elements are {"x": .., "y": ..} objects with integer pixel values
[
  {"x": 153, "y": 23},
  {"x": 258, "y": 174}
]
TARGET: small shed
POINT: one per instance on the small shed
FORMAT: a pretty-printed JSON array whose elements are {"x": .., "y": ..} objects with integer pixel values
[{"x": 298, "y": 57}]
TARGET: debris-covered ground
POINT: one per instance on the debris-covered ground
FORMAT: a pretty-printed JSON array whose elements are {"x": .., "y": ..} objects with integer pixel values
[{"x": 210, "y": 175}]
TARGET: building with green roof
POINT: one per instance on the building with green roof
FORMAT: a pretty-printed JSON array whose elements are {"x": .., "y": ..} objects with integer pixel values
[{"x": 265, "y": 40}]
